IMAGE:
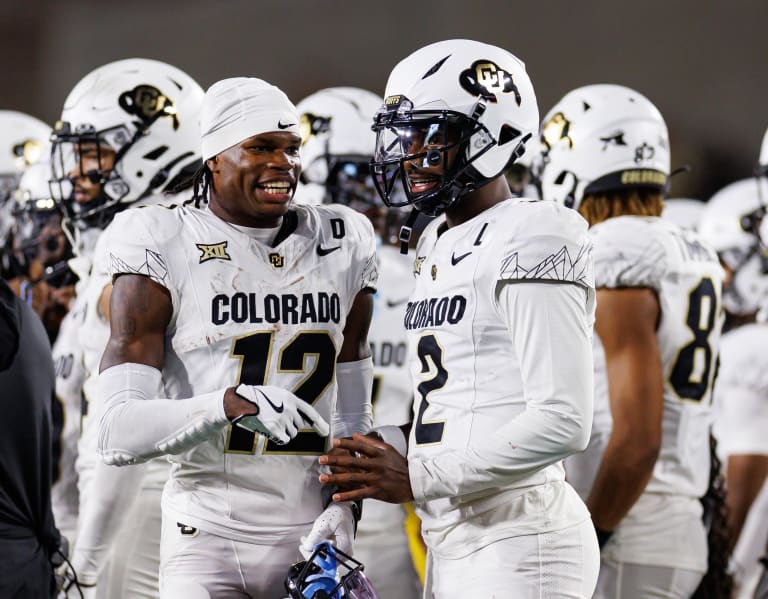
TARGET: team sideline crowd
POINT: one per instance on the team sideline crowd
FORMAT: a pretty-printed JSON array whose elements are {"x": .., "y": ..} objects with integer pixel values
[{"x": 430, "y": 344}]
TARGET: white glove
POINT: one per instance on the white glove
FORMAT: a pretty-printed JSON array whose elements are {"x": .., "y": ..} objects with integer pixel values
[
  {"x": 336, "y": 524},
  {"x": 280, "y": 413}
]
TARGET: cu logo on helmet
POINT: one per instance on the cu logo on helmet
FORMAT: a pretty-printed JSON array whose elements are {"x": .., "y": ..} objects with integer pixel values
[
  {"x": 643, "y": 153},
  {"x": 148, "y": 103},
  {"x": 485, "y": 79}
]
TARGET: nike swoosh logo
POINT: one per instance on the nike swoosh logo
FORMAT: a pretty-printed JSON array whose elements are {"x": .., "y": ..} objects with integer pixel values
[
  {"x": 280, "y": 125},
  {"x": 455, "y": 260},
  {"x": 279, "y": 409},
  {"x": 395, "y": 303},
  {"x": 321, "y": 251}
]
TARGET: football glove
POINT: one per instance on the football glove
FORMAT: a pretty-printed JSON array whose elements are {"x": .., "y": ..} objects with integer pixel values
[
  {"x": 279, "y": 413},
  {"x": 336, "y": 524}
]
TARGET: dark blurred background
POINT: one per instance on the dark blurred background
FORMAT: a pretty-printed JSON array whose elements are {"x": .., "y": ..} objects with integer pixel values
[{"x": 704, "y": 64}]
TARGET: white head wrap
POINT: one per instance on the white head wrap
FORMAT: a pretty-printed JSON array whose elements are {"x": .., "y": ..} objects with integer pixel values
[{"x": 235, "y": 109}]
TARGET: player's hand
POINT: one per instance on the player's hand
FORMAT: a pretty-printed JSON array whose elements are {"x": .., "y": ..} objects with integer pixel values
[
  {"x": 372, "y": 469},
  {"x": 336, "y": 524},
  {"x": 271, "y": 411}
]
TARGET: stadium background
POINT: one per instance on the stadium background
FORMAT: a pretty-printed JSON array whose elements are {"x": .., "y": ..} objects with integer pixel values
[{"x": 704, "y": 64}]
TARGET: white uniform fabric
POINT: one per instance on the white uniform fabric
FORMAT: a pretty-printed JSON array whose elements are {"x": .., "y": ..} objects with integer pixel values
[
  {"x": 244, "y": 312},
  {"x": 741, "y": 392},
  {"x": 664, "y": 527},
  {"x": 381, "y": 542},
  {"x": 740, "y": 425},
  {"x": 549, "y": 565},
  {"x": 196, "y": 564},
  {"x": 500, "y": 325},
  {"x": 70, "y": 374},
  {"x": 118, "y": 547}
]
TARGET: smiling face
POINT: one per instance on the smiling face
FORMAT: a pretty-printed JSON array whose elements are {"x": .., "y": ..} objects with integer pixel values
[
  {"x": 94, "y": 162},
  {"x": 254, "y": 181}
]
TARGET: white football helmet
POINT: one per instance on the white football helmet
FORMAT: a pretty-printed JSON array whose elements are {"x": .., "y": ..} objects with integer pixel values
[
  {"x": 763, "y": 159},
  {"x": 601, "y": 138},
  {"x": 684, "y": 212},
  {"x": 24, "y": 140},
  {"x": 731, "y": 224},
  {"x": 337, "y": 145},
  {"x": 455, "y": 114},
  {"x": 147, "y": 113}
]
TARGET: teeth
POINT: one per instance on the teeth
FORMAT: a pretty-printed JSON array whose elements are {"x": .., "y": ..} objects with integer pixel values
[{"x": 277, "y": 187}]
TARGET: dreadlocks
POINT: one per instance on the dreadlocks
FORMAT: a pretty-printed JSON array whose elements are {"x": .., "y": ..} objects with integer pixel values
[
  {"x": 717, "y": 582},
  {"x": 201, "y": 182}
]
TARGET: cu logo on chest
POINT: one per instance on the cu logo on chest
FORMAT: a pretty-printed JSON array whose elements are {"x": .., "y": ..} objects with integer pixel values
[{"x": 277, "y": 260}]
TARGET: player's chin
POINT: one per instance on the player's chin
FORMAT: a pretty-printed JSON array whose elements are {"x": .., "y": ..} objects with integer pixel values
[{"x": 275, "y": 203}]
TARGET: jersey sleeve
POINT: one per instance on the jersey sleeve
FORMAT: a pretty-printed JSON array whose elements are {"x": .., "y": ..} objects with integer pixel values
[
  {"x": 546, "y": 243},
  {"x": 364, "y": 273},
  {"x": 133, "y": 245},
  {"x": 628, "y": 253},
  {"x": 741, "y": 393}
]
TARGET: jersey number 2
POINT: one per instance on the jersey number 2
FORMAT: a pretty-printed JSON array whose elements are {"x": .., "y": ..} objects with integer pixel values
[
  {"x": 255, "y": 351},
  {"x": 429, "y": 432}
]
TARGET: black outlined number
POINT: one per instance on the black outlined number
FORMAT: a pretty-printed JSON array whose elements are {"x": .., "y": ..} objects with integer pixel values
[
  {"x": 255, "y": 351},
  {"x": 431, "y": 356},
  {"x": 690, "y": 376}
]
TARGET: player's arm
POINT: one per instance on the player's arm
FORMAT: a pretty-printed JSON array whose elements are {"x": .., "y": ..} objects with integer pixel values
[
  {"x": 626, "y": 324},
  {"x": 551, "y": 331},
  {"x": 136, "y": 424},
  {"x": 746, "y": 475},
  {"x": 354, "y": 370}
]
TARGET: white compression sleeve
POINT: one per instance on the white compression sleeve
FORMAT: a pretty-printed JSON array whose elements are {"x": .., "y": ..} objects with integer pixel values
[
  {"x": 136, "y": 426},
  {"x": 551, "y": 330},
  {"x": 353, "y": 405}
]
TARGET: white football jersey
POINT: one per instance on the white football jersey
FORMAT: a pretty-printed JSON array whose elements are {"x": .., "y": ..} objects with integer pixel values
[
  {"x": 741, "y": 392},
  {"x": 70, "y": 373},
  {"x": 687, "y": 277},
  {"x": 245, "y": 312},
  {"x": 467, "y": 372}
]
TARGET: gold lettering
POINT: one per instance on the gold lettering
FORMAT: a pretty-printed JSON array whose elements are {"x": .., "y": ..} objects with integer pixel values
[
  {"x": 214, "y": 251},
  {"x": 487, "y": 75}
]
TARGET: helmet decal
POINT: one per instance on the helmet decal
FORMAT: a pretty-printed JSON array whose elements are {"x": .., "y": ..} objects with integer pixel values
[
  {"x": 148, "y": 103},
  {"x": 555, "y": 129},
  {"x": 485, "y": 77},
  {"x": 311, "y": 125},
  {"x": 644, "y": 152},
  {"x": 616, "y": 139}
]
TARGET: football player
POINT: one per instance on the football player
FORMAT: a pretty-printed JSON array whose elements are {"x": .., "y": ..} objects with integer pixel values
[
  {"x": 731, "y": 224},
  {"x": 337, "y": 147},
  {"x": 128, "y": 132},
  {"x": 658, "y": 328},
  {"x": 499, "y": 325},
  {"x": 24, "y": 141},
  {"x": 250, "y": 316}
]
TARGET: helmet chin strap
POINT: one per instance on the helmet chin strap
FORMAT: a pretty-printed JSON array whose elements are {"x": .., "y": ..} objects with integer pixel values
[{"x": 406, "y": 230}]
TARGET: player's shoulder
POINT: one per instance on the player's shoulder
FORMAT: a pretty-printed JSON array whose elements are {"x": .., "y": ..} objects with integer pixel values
[
  {"x": 158, "y": 222},
  {"x": 543, "y": 241},
  {"x": 336, "y": 221},
  {"x": 631, "y": 251},
  {"x": 631, "y": 233}
]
